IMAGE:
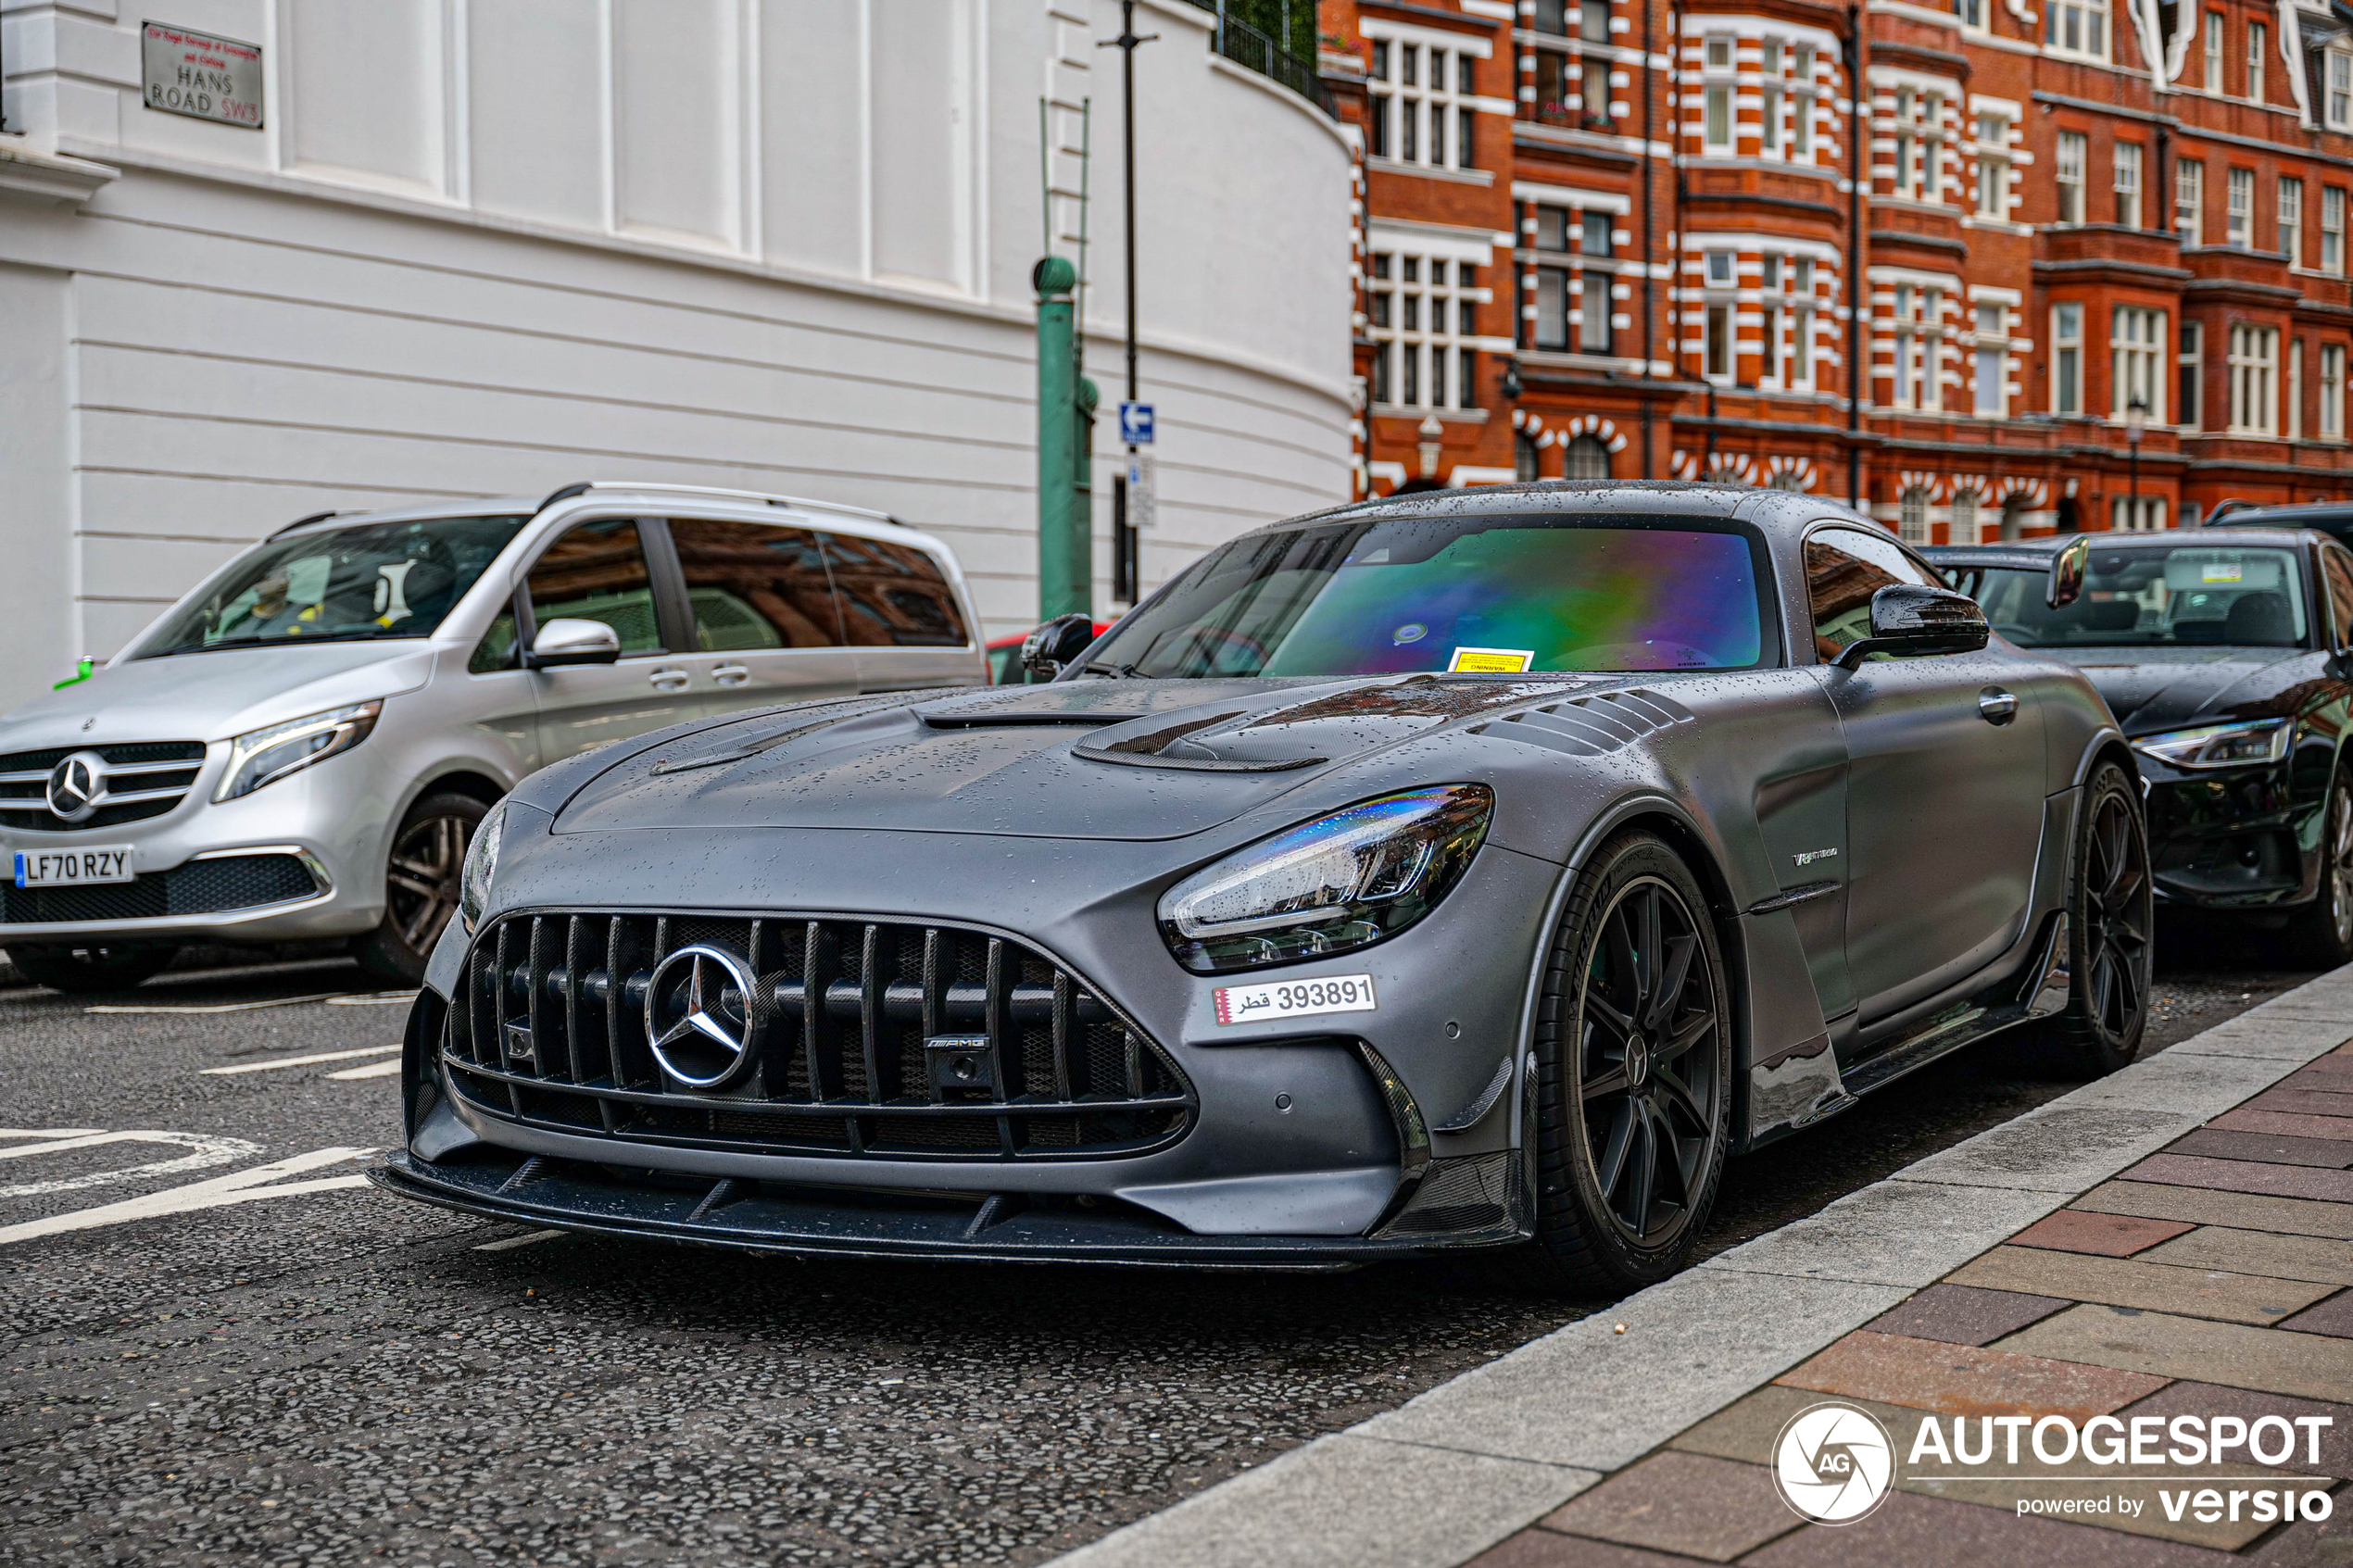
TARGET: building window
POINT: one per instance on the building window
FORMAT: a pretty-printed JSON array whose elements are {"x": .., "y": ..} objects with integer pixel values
[
  {"x": 1971, "y": 12},
  {"x": 1587, "y": 458},
  {"x": 1912, "y": 516},
  {"x": 1801, "y": 105},
  {"x": 1716, "y": 105},
  {"x": 2066, "y": 358},
  {"x": 2332, "y": 392},
  {"x": 1789, "y": 321},
  {"x": 1424, "y": 313},
  {"x": 2071, "y": 177},
  {"x": 2077, "y": 27},
  {"x": 1595, "y": 289},
  {"x": 2128, "y": 184},
  {"x": 2214, "y": 51},
  {"x": 1992, "y": 165},
  {"x": 2291, "y": 221},
  {"x": 1918, "y": 333},
  {"x": 1720, "y": 341},
  {"x": 2258, "y": 36},
  {"x": 1419, "y": 111},
  {"x": 2254, "y": 380},
  {"x": 1592, "y": 20},
  {"x": 1769, "y": 98},
  {"x": 2340, "y": 102},
  {"x": 1993, "y": 360},
  {"x": 2189, "y": 382},
  {"x": 2296, "y": 389},
  {"x": 2122, "y": 518},
  {"x": 1524, "y": 457},
  {"x": 2135, "y": 347},
  {"x": 2332, "y": 229},
  {"x": 1919, "y": 140},
  {"x": 1962, "y": 530},
  {"x": 2189, "y": 201},
  {"x": 1552, "y": 309},
  {"x": 2238, "y": 221}
]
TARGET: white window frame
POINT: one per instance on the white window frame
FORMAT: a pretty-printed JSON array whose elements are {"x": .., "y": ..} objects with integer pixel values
[
  {"x": 2333, "y": 229},
  {"x": 1992, "y": 165},
  {"x": 1801, "y": 104},
  {"x": 1435, "y": 346},
  {"x": 2213, "y": 52},
  {"x": 1993, "y": 346},
  {"x": 1719, "y": 120},
  {"x": 2290, "y": 220},
  {"x": 2074, "y": 150},
  {"x": 2136, "y": 361},
  {"x": 1962, "y": 522},
  {"x": 2296, "y": 388},
  {"x": 2189, "y": 378},
  {"x": 1919, "y": 336},
  {"x": 2258, "y": 38},
  {"x": 2076, "y": 27},
  {"x": 2332, "y": 392},
  {"x": 1431, "y": 104},
  {"x": 2189, "y": 200},
  {"x": 2238, "y": 212},
  {"x": 2067, "y": 358},
  {"x": 2336, "y": 95},
  {"x": 1911, "y": 515},
  {"x": 2255, "y": 372}
]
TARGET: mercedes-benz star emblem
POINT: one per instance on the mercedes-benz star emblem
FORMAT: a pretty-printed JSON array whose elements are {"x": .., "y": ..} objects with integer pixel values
[
  {"x": 77, "y": 786},
  {"x": 700, "y": 1019}
]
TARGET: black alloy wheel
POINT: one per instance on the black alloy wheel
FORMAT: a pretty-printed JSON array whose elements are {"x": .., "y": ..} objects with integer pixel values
[
  {"x": 2111, "y": 917},
  {"x": 2322, "y": 931},
  {"x": 421, "y": 885},
  {"x": 1635, "y": 1046},
  {"x": 92, "y": 970}
]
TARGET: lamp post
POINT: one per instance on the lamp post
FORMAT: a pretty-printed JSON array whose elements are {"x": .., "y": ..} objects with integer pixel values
[
  {"x": 2136, "y": 418},
  {"x": 1126, "y": 557}
]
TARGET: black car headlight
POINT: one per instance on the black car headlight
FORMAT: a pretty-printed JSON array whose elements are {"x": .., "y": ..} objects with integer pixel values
[
  {"x": 263, "y": 757},
  {"x": 2219, "y": 746},
  {"x": 479, "y": 867},
  {"x": 1338, "y": 883}
]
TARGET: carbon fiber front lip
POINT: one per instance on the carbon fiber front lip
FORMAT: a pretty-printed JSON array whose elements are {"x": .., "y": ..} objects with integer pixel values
[{"x": 764, "y": 1224}]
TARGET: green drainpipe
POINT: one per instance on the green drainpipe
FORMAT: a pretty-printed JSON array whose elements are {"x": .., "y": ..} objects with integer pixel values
[{"x": 1065, "y": 558}]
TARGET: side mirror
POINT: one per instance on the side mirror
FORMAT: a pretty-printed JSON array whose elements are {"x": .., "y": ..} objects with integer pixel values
[
  {"x": 1054, "y": 645},
  {"x": 2067, "y": 569},
  {"x": 565, "y": 641},
  {"x": 1909, "y": 618}
]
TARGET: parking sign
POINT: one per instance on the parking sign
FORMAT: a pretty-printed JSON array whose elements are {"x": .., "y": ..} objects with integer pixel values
[{"x": 1136, "y": 424}]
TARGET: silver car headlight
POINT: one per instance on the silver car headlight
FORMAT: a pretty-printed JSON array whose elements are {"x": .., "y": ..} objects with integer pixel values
[
  {"x": 480, "y": 866},
  {"x": 264, "y": 756},
  {"x": 1338, "y": 883},
  {"x": 2219, "y": 746}
]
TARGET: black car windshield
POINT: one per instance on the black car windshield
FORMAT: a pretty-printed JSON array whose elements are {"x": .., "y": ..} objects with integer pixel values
[
  {"x": 1477, "y": 594},
  {"x": 376, "y": 580},
  {"x": 2151, "y": 596}
]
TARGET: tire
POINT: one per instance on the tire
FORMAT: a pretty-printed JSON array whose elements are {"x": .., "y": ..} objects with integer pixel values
[
  {"x": 2320, "y": 935},
  {"x": 1635, "y": 1075},
  {"x": 2110, "y": 925},
  {"x": 421, "y": 885},
  {"x": 91, "y": 971}
]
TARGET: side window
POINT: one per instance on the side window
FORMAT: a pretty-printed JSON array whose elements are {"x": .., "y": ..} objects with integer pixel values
[
  {"x": 1843, "y": 568},
  {"x": 596, "y": 571},
  {"x": 497, "y": 650},
  {"x": 893, "y": 596},
  {"x": 2336, "y": 567},
  {"x": 755, "y": 586}
]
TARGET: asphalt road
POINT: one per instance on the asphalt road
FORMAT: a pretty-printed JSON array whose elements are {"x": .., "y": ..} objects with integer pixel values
[{"x": 332, "y": 1374}]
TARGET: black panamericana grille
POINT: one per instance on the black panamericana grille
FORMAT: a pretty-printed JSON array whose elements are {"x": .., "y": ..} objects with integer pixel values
[
  {"x": 156, "y": 773},
  {"x": 200, "y": 887},
  {"x": 550, "y": 1030}
]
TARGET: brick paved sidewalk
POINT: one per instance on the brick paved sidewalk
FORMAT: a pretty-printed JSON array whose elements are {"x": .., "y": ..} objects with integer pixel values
[{"x": 2212, "y": 1279}]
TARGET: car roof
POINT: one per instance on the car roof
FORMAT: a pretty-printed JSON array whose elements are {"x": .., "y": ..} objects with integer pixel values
[
  {"x": 603, "y": 491},
  {"x": 2288, "y": 513},
  {"x": 1780, "y": 512}
]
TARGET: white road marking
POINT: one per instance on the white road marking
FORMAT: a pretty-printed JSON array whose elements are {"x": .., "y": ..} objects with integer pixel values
[
  {"x": 220, "y": 1007},
  {"x": 311, "y": 1060},
  {"x": 206, "y": 1150},
  {"x": 241, "y": 1186},
  {"x": 373, "y": 1070},
  {"x": 49, "y": 1131},
  {"x": 374, "y": 999},
  {"x": 514, "y": 1241}
]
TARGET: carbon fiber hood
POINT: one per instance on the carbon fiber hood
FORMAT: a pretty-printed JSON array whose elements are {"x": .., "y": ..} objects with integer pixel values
[{"x": 1095, "y": 759}]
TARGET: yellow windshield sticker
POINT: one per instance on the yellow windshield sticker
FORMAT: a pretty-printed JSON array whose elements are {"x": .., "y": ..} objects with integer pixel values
[
  {"x": 2220, "y": 571},
  {"x": 1489, "y": 661}
]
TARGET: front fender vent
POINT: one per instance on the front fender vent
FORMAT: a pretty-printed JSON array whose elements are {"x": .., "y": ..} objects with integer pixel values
[{"x": 1592, "y": 726}]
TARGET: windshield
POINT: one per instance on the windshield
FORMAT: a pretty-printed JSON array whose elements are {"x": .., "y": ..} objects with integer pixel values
[
  {"x": 1481, "y": 595},
  {"x": 2151, "y": 596},
  {"x": 379, "y": 580}
]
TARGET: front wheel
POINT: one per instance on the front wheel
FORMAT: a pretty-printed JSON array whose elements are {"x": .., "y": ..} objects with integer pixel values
[
  {"x": 421, "y": 885},
  {"x": 93, "y": 970},
  {"x": 1634, "y": 1062},
  {"x": 2321, "y": 933},
  {"x": 2111, "y": 914}
]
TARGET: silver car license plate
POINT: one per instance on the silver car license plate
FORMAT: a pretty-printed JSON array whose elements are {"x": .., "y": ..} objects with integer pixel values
[{"x": 72, "y": 867}]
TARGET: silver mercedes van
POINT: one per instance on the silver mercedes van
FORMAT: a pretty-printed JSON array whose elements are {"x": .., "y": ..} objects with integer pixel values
[{"x": 301, "y": 747}]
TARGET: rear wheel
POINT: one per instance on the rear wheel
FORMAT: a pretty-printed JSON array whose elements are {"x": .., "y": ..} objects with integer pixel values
[
  {"x": 2111, "y": 914},
  {"x": 2322, "y": 931},
  {"x": 421, "y": 885},
  {"x": 1634, "y": 1060},
  {"x": 92, "y": 970}
]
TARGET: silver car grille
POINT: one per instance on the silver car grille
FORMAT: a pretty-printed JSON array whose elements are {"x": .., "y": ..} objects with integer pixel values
[
  {"x": 875, "y": 1040},
  {"x": 136, "y": 780}
]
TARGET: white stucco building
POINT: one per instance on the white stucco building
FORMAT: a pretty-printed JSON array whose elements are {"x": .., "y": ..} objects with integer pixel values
[{"x": 494, "y": 246}]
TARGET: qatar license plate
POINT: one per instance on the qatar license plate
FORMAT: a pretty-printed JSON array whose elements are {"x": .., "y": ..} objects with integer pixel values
[
  {"x": 72, "y": 867},
  {"x": 1296, "y": 998}
]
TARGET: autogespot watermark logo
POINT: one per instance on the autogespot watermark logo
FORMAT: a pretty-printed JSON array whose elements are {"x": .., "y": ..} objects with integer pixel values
[{"x": 1833, "y": 1463}]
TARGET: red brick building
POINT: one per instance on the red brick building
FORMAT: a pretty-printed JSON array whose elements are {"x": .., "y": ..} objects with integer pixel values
[{"x": 1629, "y": 238}]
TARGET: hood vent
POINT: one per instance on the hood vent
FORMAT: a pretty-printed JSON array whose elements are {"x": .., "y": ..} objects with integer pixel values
[{"x": 1592, "y": 726}]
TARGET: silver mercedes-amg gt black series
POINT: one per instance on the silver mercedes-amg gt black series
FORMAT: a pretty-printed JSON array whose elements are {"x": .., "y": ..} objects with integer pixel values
[{"x": 1446, "y": 872}]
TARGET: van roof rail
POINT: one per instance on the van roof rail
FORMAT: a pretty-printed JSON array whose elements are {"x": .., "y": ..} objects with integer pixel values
[
  {"x": 586, "y": 485},
  {"x": 305, "y": 522}
]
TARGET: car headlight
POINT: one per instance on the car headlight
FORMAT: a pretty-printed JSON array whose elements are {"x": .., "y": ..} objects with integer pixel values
[
  {"x": 2219, "y": 746},
  {"x": 480, "y": 866},
  {"x": 1338, "y": 883},
  {"x": 266, "y": 756}
]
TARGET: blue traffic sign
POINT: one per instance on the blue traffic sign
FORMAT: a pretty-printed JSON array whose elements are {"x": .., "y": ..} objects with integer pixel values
[{"x": 1136, "y": 424}]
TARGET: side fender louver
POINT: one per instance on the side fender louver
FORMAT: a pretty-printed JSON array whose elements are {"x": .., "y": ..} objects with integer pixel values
[{"x": 1591, "y": 726}]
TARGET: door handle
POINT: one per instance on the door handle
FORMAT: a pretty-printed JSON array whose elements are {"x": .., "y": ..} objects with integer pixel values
[
  {"x": 669, "y": 679},
  {"x": 1997, "y": 706},
  {"x": 732, "y": 674}
]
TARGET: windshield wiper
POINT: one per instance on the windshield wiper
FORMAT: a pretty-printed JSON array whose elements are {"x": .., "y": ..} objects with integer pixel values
[{"x": 1117, "y": 672}]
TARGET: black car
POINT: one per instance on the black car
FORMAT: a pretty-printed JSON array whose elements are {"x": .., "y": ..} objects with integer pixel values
[
  {"x": 2224, "y": 655},
  {"x": 2332, "y": 518}
]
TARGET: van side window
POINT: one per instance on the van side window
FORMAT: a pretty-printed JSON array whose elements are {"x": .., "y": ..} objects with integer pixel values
[
  {"x": 893, "y": 596},
  {"x": 756, "y": 586},
  {"x": 497, "y": 650},
  {"x": 596, "y": 571}
]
